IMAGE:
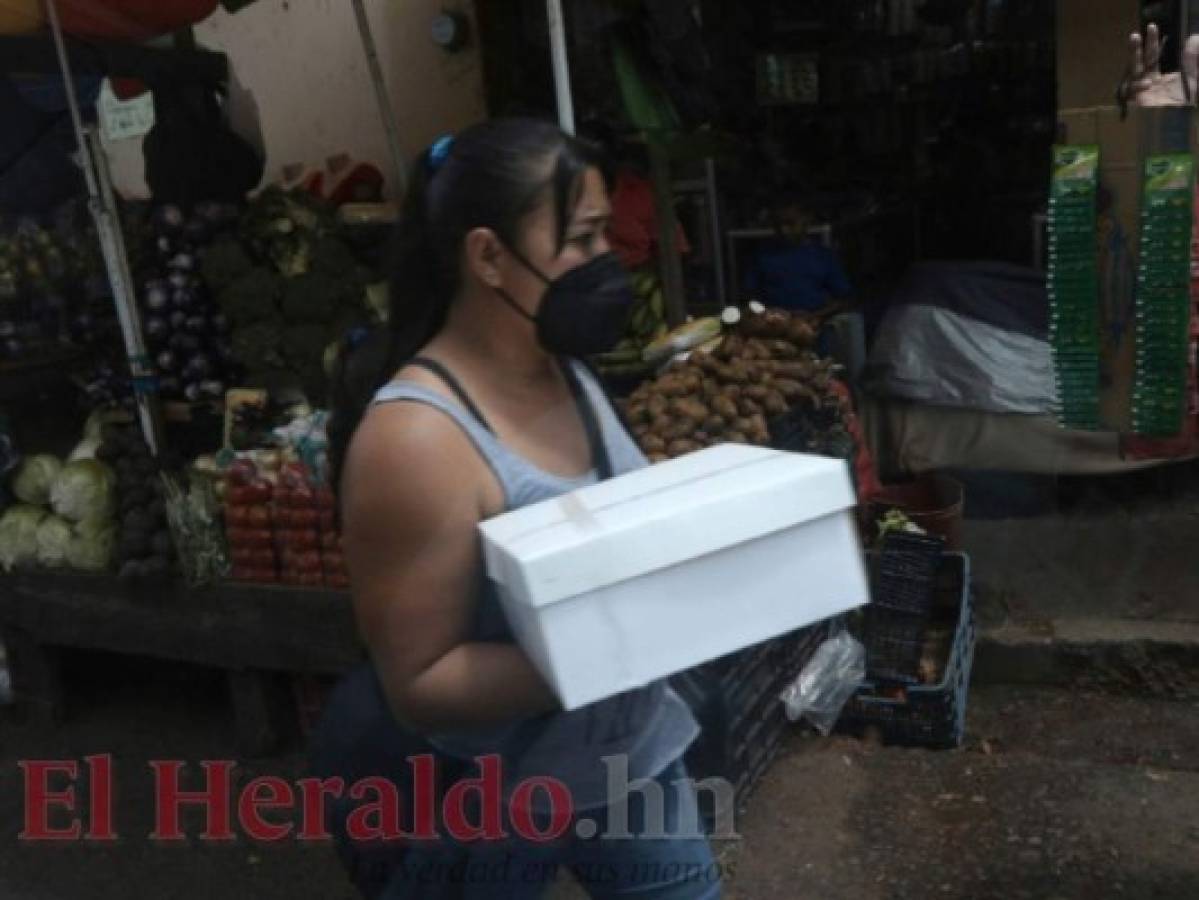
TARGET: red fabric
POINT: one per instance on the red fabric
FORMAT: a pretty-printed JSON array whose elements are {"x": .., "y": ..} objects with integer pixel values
[
  {"x": 363, "y": 183},
  {"x": 128, "y": 88},
  {"x": 131, "y": 20},
  {"x": 633, "y": 230},
  {"x": 863, "y": 460}
]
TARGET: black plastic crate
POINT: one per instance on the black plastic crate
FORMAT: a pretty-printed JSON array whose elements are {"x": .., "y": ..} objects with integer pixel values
[
  {"x": 736, "y": 701},
  {"x": 893, "y": 642},
  {"x": 925, "y": 715},
  {"x": 905, "y": 572}
]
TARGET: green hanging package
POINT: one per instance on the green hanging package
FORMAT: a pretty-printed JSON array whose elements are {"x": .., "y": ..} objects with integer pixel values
[
  {"x": 1074, "y": 284},
  {"x": 1163, "y": 309}
]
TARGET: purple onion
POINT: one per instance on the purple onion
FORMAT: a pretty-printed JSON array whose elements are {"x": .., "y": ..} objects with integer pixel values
[
  {"x": 167, "y": 219},
  {"x": 198, "y": 367},
  {"x": 182, "y": 262},
  {"x": 183, "y": 343},
  {"x": 157, "y": 328},
  {"x": 157, "y": 296}
]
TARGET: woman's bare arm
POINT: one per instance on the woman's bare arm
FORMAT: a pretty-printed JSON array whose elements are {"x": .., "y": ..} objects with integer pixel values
[{"x": 411, "y": 504}]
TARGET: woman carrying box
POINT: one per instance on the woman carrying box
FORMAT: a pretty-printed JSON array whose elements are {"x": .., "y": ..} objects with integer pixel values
[{"x": 474, "y": 404}]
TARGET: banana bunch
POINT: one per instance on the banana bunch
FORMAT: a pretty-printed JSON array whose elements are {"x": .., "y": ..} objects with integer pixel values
[{"x": 647, "y": 324}]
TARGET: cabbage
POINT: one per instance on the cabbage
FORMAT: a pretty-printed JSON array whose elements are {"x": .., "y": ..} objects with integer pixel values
[
  {"x": 35, "y": 477},
  {"x": 90, "y": 549},
  {"x": 53, "y": 536},
  {"x": 84, "y": 489},
  {"x": 18, "y": 535}
]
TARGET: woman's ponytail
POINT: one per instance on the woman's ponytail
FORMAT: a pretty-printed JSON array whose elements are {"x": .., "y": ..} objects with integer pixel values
[{"x": 492, "y": 175}]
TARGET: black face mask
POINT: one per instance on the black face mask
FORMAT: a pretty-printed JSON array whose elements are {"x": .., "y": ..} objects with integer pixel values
[{"x": 584, "y": 311}]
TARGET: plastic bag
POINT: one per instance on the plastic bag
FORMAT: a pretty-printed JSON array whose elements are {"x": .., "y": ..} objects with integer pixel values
[{"x": 827, "y": 682}]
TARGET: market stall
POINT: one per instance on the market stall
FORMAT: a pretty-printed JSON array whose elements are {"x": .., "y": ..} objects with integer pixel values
[
  {"x": 164, "y": 465},
  {"x": 183, "y": 511}
]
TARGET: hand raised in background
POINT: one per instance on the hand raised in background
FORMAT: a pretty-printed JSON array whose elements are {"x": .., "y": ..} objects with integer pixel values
[{"x": 1145, "y": 85}]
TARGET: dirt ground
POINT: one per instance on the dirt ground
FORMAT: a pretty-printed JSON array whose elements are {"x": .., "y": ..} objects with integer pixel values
[{"x": 1056, "y": 795}]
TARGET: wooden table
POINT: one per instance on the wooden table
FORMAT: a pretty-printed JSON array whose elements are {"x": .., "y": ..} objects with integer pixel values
[{"x": 258, "y": 634}]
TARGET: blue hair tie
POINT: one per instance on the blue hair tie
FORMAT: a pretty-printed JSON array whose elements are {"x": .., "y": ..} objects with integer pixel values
[{"x": 440, "y": 151}]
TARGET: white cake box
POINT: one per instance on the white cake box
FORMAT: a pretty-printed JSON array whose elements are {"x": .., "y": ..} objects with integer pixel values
[{"x": 614, "y": 586}]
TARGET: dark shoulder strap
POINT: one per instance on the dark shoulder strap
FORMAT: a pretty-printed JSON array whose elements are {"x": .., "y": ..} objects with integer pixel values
[
  {"x": 617, "y": 412},
  {"x": 432, "y": 365},
  {"x": 591, "y": 426}
]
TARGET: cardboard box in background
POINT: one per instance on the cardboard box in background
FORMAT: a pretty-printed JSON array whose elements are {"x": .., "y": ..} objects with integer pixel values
[
  {"x": 1126, "y": 141},
  {"x": 1092, "y": 49}
]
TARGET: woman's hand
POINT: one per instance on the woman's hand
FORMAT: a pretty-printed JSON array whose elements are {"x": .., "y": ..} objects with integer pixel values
[
  {"x": 1145, "y": 84},
  {"x": 412, "y": 501}
]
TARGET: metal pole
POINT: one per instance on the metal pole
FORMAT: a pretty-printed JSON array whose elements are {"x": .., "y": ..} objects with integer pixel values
[
  {"x": 717, "y": 236},
  {"x": 561, "y": 63},
  {"x": 102, "y": 205},
  {"x": 385, "y": 110},
  {"x": 671, "y": 264}
]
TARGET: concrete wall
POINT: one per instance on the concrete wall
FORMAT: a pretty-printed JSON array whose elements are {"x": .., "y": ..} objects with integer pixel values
[{"x": 302, "y": 74}]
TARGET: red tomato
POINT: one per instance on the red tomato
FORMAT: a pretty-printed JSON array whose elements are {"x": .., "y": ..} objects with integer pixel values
[
  {"x": 325, "y": 498},
  {"x": 258, "y": 517},
  {"x": 242, "y": 556},
  {"x": 330, "y": 540},
  {"x": 302, "y": 497},
  {"x": 249, "y": 537},
  {"x": 236, "y": 516},
  {"x": 263, "y": 557},
  {"x": 294, "y": 475},
  {"x": 301, "y": 539},
  {"x": 333, "y": 561},
  {"x": 304, "y": 518},
  {"x": 328, "y": 521},
  {"x": 261, "y": 491},
  {"x": 241, "y": 472},
  {"x": 308, "y": 561},
  {"x": 239, "y": 494}
]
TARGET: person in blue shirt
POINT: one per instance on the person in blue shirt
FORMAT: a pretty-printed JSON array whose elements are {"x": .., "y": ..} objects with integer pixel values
[{"x": 793, "y": 271}]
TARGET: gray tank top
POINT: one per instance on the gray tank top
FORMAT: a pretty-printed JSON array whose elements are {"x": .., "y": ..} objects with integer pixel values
[{"x": 650, "y": 727}]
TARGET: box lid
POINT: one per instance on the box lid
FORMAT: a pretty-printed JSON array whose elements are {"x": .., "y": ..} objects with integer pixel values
[{"x": 657, "y": 517}]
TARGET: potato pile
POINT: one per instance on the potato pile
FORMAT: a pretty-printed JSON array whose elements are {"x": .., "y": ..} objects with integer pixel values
[{"x": 762, "y": 369}]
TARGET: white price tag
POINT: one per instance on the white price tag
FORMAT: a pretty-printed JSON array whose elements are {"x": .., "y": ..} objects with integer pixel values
[{"x": 123, "y": 119}]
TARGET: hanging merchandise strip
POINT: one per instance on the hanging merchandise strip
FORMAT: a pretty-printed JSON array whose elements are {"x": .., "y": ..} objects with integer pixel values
[
  {"x": 1074, "y": 284},
  {"x": 1160, "y": 393}
]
